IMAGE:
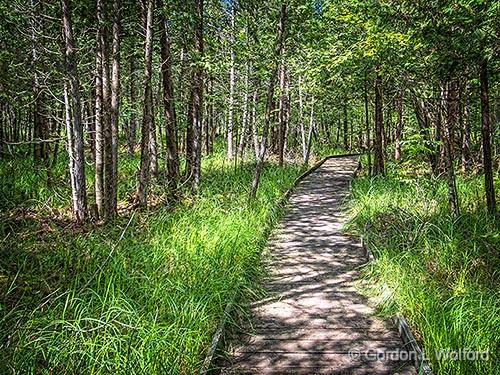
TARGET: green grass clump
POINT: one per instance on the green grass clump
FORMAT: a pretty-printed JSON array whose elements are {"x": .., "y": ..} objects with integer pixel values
[
  {"x": 75, "y": 300},
  {"x": 443, "y": 272}
]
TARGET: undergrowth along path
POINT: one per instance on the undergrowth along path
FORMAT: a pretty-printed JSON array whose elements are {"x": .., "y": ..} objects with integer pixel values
[{"x": 313, "y": 319}]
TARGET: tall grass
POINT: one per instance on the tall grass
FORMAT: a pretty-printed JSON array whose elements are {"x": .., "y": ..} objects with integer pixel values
[
  {"x": 443, "y": 272},
  {"x": 76, "y": 300}
]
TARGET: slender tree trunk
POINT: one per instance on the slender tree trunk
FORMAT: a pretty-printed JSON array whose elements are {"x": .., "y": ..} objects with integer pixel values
[
  {"x": 147, "y": 110},
  {"x": 106, "y": 117},
  {"x": 450, "y": 100},
  {"x": 399, "y": 129},
  {"x": 346, "y": 124},
  {"x": 368, "y": 128},
  {"x": 246, "y": 108},
  {"x": 254, "y": 123},
  {"x": 76, "y": 154},
  {"x": 269, "y": 103},
  {"x": 378, "y": 167},
  {"x": 195, "y": 115},
  {"x": 153, "y": 142},
  {"x": 301, "y": 121},
  {"x": 466, "y": 131},
  {"x": 115, "y": 108},
  {"x": 40, "y": 148},
  {"x": 282, "y": 115},
  {"x": 230, "y": 122},
  {"x": 169, "y": 105},
  {"x": 132, "y": 126},
  {"x": 99, "y": 118},
  {"x": 309, "y": 134},
  {"x": 489, "y": 186}
]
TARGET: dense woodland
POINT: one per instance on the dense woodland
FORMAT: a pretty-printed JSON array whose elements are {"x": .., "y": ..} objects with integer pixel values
[{"x": 138, "y": 138}]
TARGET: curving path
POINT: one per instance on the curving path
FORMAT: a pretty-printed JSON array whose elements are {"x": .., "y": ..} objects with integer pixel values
[{"x": 313, "y": 315}]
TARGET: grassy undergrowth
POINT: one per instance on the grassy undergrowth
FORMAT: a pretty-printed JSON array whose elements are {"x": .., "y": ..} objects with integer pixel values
[
  {"x": 441, "y": 272},
  {"x": 77, "y": 300}
]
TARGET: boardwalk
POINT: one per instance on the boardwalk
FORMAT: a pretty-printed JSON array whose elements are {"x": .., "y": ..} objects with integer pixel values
[{"x": 314, "y": 315}]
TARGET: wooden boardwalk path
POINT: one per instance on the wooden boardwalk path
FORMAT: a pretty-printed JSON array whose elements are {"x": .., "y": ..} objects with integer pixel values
[{"x": 313, "y": 315}]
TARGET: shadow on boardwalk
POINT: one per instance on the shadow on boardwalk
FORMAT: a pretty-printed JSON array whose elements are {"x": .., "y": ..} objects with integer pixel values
[{"x": 313, "y": 319}]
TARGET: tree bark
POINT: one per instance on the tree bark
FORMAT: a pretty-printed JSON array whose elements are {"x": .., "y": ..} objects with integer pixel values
[
  {"x": 246, "y": 115},
  {"x": 282, "y": 115},
  {"x": 195, "y": 113},
  {"x": 345, "y": 128},
  {"x": 147, "y": 109},
  {"x": 99, "y": 115},
  {"x": 466, "y": 156},
  {"x": 132, "y": 125},
  {"x": 230, "y": 121},
  {"x": 449, "y": 95},
  {"x": 368, "y": 128},
  {"x": 115, "y": 108},
  {"x": 309, "y": 134},
  {"x": 75, "y": 135},
  {"x": 169, "y": 105},
  {"x": 489, "y": 186},
  {"x": 40, "y": 129},
  {"x": 378, "y": 167},
  {"x": 399, "y": 128}
]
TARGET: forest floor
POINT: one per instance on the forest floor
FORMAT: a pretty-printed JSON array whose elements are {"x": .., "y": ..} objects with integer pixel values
[
  {"x": 312, "y": 318},
  {"x": 142, "y": 293}
]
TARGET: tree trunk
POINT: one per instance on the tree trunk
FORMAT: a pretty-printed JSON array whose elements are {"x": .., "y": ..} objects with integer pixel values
[
  {"x": 132, "y": 126},
  {"x": 195, "y": 114},
  {"x": 99, "y": 118},
  {"x": 489, "y": 186},
  {"x": 254, "y": 122},
  {"x": 246, "y": 108},
  {"x": 115, "y": 103},
  {"x": 309, "y": 134},
  {"x": 449, "y": 95},
  {"x": 282, "y": 115},
  {"x": 75, "y": 135},
  {"x": 301, "y": 121},
  {"x": 466, "y": 156},
  {"x": 153, "y": 142},
  {"x": 147, "y": 109},
  {"x": 230, "y": 122},
  {"x": 399, "y": 128},
  {"x": 40, "y": 129},
  {"x": 106, "y": 118},
  {"x": 269, "y": 103},
  {"x": 367, "y": 126},
  {"x": 346, "y": 124},
  {"x": 378, "y": 167},
  {"x": 169, "y": 105}
]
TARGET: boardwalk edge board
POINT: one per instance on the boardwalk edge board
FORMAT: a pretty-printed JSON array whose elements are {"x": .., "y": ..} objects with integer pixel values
[{"x": 206, "y": 367}]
